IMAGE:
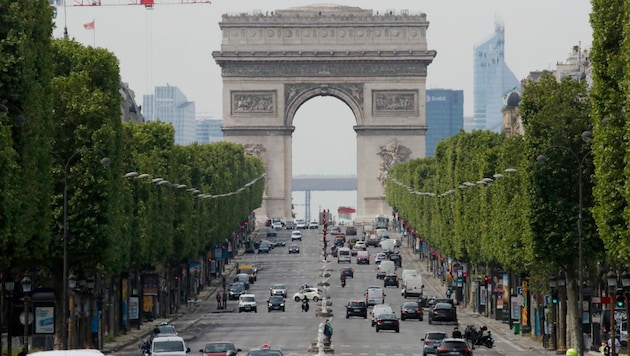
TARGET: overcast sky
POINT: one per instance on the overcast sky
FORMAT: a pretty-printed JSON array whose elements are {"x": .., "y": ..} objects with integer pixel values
[{"x": 173, "y": 44}]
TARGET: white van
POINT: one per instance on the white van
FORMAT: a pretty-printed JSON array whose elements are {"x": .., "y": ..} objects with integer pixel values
[
  {"x": 385, "y": 268},
  {"x": 413, "y": 286},
  {"x": 344, "y": 255},
  {"x": 169, "y": 346},
  {"x": 408, "y": 272},
  {"x": 374, "y": 296}
]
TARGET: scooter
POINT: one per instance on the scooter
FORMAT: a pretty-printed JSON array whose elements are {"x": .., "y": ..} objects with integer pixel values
[
  {"x": 477, "y": 337},
  {"x": 145, "y": 348},
  {"x": 305, "y": 305},
  {"x": 343, "y": 282}
]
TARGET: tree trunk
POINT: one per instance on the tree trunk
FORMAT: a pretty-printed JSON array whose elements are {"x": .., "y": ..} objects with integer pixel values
[{"x": 574, "y": 316}]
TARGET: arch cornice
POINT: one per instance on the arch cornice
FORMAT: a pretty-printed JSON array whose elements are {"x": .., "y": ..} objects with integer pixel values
[{"x": 297, "y": 94}]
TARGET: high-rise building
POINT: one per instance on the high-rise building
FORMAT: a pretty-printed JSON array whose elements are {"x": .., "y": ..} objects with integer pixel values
[
  {"x": 169, "y": 104},
  {"x": 492, "y": 79},
  {"x": 209, "y": 130},
  {"x": 445, "y": 116}
]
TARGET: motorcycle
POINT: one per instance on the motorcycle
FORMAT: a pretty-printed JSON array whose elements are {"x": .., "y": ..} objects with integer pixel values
[
  {"x": 145, "y": 348},
  {"x": 305, "y": 305},
  {"x": 477, "y": 337},
  {"x": 343, "y": 282}
]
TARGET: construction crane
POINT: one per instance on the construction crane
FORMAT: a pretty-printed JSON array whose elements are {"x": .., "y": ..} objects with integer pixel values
[{"x": 146, "y": 3}]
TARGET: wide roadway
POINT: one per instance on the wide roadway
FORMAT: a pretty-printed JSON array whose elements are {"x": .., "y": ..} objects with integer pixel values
[{"x": 293, "y": 330}]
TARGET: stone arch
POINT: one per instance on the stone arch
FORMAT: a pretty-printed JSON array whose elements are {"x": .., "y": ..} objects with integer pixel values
[{"x": 273, "y": 63}]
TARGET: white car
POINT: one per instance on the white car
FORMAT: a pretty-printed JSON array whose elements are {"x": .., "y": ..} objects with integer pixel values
[
  {"x": 361, "y": 244},
  {"x": 278, "y": 289},
  {"x": 277, "y": 225},
  {"x": 247, "y": 302},
  {"x": 314, "y": 224},
  {"x": 314, "y": 294},
  {"x": 296, "y": 235},
  {"x": 300, "y": 224}
]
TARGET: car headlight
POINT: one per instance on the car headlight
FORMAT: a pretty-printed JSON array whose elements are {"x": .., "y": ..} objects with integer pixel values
[
  {"x": 281, "y": 304},
  {"x": 270, "y": 305}
]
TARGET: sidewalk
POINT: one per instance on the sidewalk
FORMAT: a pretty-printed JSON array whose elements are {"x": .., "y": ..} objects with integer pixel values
[
  {"x": 496, "y": 326},
  {"x": 136, "y": 336}
]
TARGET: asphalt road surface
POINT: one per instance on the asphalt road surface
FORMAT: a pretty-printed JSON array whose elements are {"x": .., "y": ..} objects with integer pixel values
[{"x": 293, "y": 330}]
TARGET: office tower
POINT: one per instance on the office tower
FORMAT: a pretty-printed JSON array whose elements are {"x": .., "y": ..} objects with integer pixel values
[
  {"x": 445, "y": 116},
  {"x": 169, "y": 104},
  {"x": 492, "y": 79}
]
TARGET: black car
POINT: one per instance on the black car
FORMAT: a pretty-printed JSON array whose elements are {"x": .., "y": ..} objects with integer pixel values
[
  {"x": 235, "y": 290},
  {"x": 272, "y": 233},
  {"x": 334, "y": 250},
  {"x": 396, "y": 259},
  {"x": 249, "y": 248},
  {"x": 391, "y": 279},
  {"x": 387, "y": 322},
  {"x": 411, "y": 310},
  {"x": 453, "y": 347},
  {"x": 264, "y": 247},
  {"x": 347, "y": 272},
  {"x": 294, "y": 249},
  {"x": 275, "y": 302},
  {"x": 280, "y": 242},
  {"x": 351, "y": 230},
  {"x": 356, "y": 308},
  {"x": 443, "y": 313},
  {"x": 289, "y": 225}
]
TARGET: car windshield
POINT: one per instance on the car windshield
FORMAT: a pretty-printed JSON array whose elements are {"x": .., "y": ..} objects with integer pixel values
[
  {"x": 167, "y": 346},
  {"x": 279, "y": 286},
  {"x": 357, "y": 304},
  {"x": 264, "y": 353},
  {"x": 219, "y": 347},
  {"x": 276, "y": 299},
  {"x": 294, "y": 246},
  {"x": 443, "y": 306},
  {"x": 387, "y": 317},
  {"x": 435, "y": 336},
  {"x": 164, "y": 329},
  {"x": 237, "y": 287},
  {"x": 454, "y": 344},
  {"x": 248, "y": 299}
]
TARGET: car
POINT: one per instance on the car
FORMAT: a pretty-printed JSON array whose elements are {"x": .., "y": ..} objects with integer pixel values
[
  {"x": 397, "y": 259},
  {"x": 334, "y": 250},
  {"x": 163, "y": 330},
  {"x": 336, "y": 230},
  {"x": 277, "y": 225},
  {"x": 380, "y": 257},
  {"x": 374, "y": 295},
  {"x": 356, "y": 249},
  {"x": 296, "y": 235},
  {"x": 443, "y": 313},
  {"x": 294, "y": 249},
  {"x": 249, "y": 248},
  {"x": 247, "y": 302},
  {"x": 243, "y": 278},
  {"x": 387, "y": 322},
  {"x": 272, "y": 233},
  {"x": 343, "y": 255},
  {"x": 280, "y": 242},
  {"x": 264, "y": 247},
  {"x": 218, "y": 348},
  {"x": 391, "y": 279},
  {"x": 300, "y": 224},
  {"x": 378, "y": 310},
  {"x": 347, "y": 272},
  {"x": 431, "y": 341},
  {"x": 411, "y": 310},
  {"x": 235, "y": 290},
  {"x": 289, "y": 225},
  {"x": 169, "y": 346},
  {"x": 363, "y": 257},
  {"x": 450, "y": 346},
  {"x": 351, "y": 230},
  {"x": 340, "y": 241},
  {"x": 275, "y": 302},
  {"x": 278, "y": 289},
  {"x": 314, "y": 294},
  {"x": 265, "y": 350},
  {"x": 313, "y": 224},
  {"x": 356, "y": 308},
  {"x": 360, "y": 244}
]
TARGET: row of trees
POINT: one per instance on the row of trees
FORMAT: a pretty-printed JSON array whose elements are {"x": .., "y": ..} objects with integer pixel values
[{"x": 69, "y": 95}]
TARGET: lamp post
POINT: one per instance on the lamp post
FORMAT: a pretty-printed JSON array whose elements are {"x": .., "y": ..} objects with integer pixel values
[
  {"x": 9, "y": 286},
  {"x": 611, "y": 277},
  {"x": 625, "y": 283},
  {"x": 586, "y": 136},
  {"x": 26, "y": 288},
  {"x": 66, "y": 172}
]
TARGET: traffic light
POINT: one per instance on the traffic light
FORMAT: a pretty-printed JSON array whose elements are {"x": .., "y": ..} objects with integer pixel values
[
  {"x": 620, "y": 299},
  {"x": 484, "y": 281},
  {"x": 554, "y": 297}
]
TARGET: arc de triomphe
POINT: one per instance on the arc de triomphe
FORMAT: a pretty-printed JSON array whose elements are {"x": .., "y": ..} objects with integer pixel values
[{"x": 272, "y": 63}]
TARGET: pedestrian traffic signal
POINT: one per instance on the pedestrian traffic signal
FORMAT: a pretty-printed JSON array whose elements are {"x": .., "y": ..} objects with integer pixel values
[{"x": 620, "y": 299}]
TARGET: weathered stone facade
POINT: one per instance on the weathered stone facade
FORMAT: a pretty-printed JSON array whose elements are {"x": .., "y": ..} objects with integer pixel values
[{"x": 377, "y": 64}]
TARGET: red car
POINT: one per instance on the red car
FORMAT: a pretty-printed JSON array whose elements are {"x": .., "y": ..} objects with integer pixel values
[{"x": 218, "y": 348}]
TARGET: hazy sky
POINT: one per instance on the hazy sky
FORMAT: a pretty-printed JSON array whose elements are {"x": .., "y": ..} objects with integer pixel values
[{"x": 173, "y": 44}]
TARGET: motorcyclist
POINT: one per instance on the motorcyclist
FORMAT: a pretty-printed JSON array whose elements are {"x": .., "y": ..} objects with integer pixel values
[
  {"x": 456, "y": 333},
  {"x": 305, "y": 305},
  {"x": 343, "y": 280},
  {"x": 145, "y": 347}
]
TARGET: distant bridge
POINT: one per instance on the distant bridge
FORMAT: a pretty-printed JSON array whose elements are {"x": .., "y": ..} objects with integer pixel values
[{"x": 324, "y": 183}]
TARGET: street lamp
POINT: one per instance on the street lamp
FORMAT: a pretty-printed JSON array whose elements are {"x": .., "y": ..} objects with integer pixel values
[
  {"x": 26, "y": 288},
  {"x": 66, "y": 172},
  {"x": 586, "y": 136}
]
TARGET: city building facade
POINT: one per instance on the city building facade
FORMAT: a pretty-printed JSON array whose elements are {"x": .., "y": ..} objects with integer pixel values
[
  {"x": 209, "y": 130},
  {"x": 445, "y": 116},
  {"x": 169, "y": 104},
  {"x": 492, "y": 79}
]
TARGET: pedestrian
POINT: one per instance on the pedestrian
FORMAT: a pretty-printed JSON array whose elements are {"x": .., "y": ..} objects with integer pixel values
[
  {"x": 448, "y": 293},
  {"x": 218, "y": 300},
  {"x": 571, "y": 352},
  {"x": 225, "y": 299},
  {"x": 328, "y": 330},
  {"x": 616, "y": 347},
  {"x": 603, "y": 349}
]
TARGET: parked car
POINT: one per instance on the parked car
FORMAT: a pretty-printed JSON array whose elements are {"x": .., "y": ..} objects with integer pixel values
[
  {"x": 356, "y": 308},
  {"x": 411, "y": 310},
  {"x": 387, "y": 322},
  {"x": 218, "y": 348},
  {"x": 443, "y": 313},
  {"x": 431, "y": 341},
  {"x": 451, "y": 346}
]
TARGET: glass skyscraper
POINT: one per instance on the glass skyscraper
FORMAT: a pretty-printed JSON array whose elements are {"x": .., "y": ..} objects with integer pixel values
[
  {"x": 169, "y": 104},
  {"x": 492, "y": 80},
  {"x": 445, "y": 116}
]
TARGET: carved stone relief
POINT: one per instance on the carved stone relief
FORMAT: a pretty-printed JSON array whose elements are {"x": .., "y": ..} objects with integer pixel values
[
  {"x": 394, "y": 101},
  {"x": 253, "y": 102},
  {"x": 257, "y": 150},
  {"x": 391, "y": 154}
]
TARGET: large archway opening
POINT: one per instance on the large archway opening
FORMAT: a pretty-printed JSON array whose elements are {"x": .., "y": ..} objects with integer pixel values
[{"x": 324, "y": 144}]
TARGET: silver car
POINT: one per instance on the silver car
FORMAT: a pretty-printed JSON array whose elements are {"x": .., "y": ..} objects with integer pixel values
[
  {"x": 432, "y": 341},
  {"x": 278, "y": 289}
]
